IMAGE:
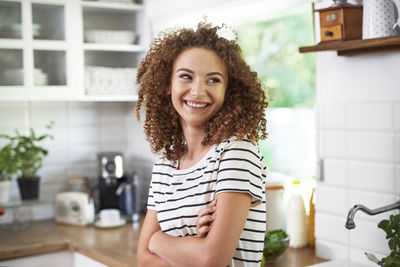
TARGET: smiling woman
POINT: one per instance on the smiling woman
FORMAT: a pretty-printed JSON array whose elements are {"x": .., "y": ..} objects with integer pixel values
[{"x": 204, "y": 114}]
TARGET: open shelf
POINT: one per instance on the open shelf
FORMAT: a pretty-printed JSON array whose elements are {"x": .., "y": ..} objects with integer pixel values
[{"x": 351, "y": 47}]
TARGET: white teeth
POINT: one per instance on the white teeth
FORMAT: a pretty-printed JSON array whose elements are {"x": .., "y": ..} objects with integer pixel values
[{"x": 196, "y": 105}]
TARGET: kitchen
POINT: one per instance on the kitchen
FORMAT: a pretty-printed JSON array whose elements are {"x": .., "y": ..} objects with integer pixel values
[{"x": 357, "y": 130}]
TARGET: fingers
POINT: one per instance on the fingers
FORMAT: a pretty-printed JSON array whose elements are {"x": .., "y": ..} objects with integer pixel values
[
  {"x": 209, "y": 209},
  {"x": 205, "y": 218}
]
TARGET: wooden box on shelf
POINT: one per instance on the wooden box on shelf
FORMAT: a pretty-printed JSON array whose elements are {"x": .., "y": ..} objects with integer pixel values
[{"x": 343, "y": 22}]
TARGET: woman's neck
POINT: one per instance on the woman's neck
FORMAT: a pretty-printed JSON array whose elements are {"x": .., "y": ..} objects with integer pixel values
[{"x": 195, "y": 150}]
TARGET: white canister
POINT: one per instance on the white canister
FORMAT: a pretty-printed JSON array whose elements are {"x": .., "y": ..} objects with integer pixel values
[
  {"x": 275, "y": 206},
  {"x": 378, "y": 18}
]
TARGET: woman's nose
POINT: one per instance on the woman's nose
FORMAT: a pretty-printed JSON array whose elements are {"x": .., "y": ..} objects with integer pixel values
[{"x": 198, "y": 88}]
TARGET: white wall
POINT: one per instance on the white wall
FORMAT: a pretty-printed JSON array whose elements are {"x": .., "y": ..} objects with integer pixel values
[
  {"x": 81, "y": 131},
  {"x": 358, "y": 138}
]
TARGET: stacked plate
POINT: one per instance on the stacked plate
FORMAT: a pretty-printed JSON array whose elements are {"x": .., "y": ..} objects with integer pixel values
[
  {"x": 12, "y": 77},
  {"x": 110, "y": 81}
]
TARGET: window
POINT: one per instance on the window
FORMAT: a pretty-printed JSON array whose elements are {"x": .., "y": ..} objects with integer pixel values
[{"x": 270, "y": 47}]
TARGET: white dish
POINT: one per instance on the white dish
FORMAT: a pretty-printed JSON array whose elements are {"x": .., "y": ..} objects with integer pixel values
[{"x": 100, "y": 224}]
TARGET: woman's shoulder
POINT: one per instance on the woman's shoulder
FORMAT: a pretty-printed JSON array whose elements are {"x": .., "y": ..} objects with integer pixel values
[{"x": 239, "y": 145}]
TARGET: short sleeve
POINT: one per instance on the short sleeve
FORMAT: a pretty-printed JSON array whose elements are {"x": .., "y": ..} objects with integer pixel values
[
  {"x": 241, "y": 169},
  {"x": 150, "y": 200}
]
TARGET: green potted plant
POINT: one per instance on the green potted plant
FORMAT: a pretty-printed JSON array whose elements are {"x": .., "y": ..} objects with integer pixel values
[
  {"x": 392, "y": 230},
  {"x": 28, "y": 156},
  {"x": 8, "y": 168}
]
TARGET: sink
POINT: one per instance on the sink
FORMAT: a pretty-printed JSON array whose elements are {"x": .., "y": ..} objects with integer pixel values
[{"x": 341, "y": 263}]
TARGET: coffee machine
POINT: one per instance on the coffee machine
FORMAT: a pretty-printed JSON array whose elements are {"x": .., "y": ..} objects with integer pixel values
[
  {"x": 118, "y": 189},
  {"x": 111, "y": 175}
]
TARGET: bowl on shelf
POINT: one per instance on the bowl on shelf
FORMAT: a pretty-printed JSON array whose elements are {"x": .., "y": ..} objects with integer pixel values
[
  {"x": 111, "y": 37},
  {"x": 275, "y": 244}
]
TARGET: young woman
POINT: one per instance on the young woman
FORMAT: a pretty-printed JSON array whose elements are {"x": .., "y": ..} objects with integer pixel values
[{"x": 204, "y": 113}]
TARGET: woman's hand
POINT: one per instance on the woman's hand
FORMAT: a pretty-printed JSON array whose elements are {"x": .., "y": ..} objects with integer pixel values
[{"x": 204, "y": 219}]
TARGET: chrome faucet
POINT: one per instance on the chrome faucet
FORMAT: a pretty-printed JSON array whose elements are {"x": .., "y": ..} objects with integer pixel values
[{"x": 350, "y": 217}]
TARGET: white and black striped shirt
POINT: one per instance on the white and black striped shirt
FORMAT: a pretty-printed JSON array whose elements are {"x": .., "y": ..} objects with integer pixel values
[{"x": 231, "y": 166}]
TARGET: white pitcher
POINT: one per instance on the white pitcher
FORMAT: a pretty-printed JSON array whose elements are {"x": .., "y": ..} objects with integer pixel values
[
  {"x": 397, "y": 24},
  {"x": 378, "y": 18}
]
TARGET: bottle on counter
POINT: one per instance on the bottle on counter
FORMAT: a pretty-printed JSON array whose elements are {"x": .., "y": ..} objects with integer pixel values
[
  {"x": 311, "y": 219},
  {"x": 296, "y": 218}
]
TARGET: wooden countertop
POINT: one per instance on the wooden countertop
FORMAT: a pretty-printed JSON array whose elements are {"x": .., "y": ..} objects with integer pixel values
[
  {"x": 296, "y": 257},
  {"x": 112, "y": 247}
]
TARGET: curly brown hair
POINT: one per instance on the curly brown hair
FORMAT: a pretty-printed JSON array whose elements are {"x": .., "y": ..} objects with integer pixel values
[{"x": 243, "y": 111}]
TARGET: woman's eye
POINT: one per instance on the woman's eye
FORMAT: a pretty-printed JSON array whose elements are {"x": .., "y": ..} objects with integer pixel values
[
  {"x": 214, "y": 80},
  {"x": 185, "y": 76}
]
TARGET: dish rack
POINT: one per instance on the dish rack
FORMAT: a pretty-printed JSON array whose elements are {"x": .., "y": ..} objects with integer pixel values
[{"x": 110, "y": 81}]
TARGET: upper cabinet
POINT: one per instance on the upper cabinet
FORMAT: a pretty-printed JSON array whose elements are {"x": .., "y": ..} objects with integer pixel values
[{"x": 70, "y": 50}]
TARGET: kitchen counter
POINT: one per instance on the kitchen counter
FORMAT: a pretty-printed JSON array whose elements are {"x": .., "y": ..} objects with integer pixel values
[{"x": 112, "y": 247}]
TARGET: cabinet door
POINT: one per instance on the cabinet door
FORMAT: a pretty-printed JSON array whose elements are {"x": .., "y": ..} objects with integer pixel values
[
  {"x": 114, "y": 44},
  {"x": 39, "y": 50},
  {"x": 12, "y": 53},
  {"x": 55, "y": 71}
]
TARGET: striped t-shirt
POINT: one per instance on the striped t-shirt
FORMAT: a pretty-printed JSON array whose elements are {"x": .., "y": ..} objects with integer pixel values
[{"x": 231, "y": 166}]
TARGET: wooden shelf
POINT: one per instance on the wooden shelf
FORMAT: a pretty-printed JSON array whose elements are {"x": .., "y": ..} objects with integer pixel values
[{"x": 346, "y": 48}]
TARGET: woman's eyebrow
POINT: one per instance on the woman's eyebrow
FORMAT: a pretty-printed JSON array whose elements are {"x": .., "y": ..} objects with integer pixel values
[
  {"x": 185, "y": 69},
  {"x": 215, "y": 73}
]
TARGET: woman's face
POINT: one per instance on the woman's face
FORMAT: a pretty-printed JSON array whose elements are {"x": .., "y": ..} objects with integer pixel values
[{"x": 198, "y": 84}]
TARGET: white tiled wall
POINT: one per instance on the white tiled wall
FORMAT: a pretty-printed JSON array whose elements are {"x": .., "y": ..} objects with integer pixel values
[
  {"x": 81, "y": 130},
  {"x": 358, "y": 137}
]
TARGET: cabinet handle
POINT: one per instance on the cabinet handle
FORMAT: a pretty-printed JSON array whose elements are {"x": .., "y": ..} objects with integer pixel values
[
  {"x": 330, "y": 17},
  {"x": 329, "y": 34}
]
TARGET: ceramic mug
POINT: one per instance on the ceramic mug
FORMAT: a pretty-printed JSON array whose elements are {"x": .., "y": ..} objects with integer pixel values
[
  {"x": 109, "y": 217},
  {"x": 378, "y": 18}
]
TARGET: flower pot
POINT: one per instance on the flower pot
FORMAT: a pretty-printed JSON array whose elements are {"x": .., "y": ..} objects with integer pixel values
[
  {"x": 5, "y": 188},
  {"x": 29, "y": 188}
]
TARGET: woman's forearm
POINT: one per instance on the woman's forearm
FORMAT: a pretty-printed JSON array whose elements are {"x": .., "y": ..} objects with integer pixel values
[
  {"x": 148, "y": 259},
  {"x": 183, "y": 251}
]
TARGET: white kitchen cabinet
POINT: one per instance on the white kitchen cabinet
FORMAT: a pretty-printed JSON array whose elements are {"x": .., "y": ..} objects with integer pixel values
[{"x": 47, "y": 47}]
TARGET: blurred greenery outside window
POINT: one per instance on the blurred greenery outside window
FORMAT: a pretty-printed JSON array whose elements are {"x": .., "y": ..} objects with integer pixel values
[{"x": 271, "y": 48}]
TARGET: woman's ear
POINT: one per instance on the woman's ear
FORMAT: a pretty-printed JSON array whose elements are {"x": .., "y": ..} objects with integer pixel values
[{"x": 169, "y": 90}]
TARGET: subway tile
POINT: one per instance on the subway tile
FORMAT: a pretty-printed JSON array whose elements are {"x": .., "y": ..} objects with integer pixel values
[
  {"x": 377, "y": 177},
  {"x": 53, "y": 174},
  {"x": 334, "y": 144},
  {"x": 367, "y": 236},
  {"x": 398, "y": 179},
  {"x": 13, "y": 115},
  {"x": 335, "y": 172},
  {"x": 372, "y": 116},
  {"x": 333, "y": 115},
  {"x": 111, "y": 114},
  {"x": 397, "y": 117},
  {"x": 89, "y": 169},
  {"x": 331, "y": 228},
  {"x": 330, "y": 250},
  {"x": 397, "y": 149},
  {"x": 373, "y": 146},
  {"x": 82, "y": 154},
  {"x": 84, "y": 135},
  {"x": 324, "y": 196},
  {"x": 42, "y": 113},
  {"x": 80, "y": 114},
  {"x": 111, "y": 133},
  {"x": 357, "y": 255},
  {"x": 371, "y": 200}
]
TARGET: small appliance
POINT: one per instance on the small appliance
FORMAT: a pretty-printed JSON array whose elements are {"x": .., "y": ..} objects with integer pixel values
[
  {"x": 74, "y": 208},
  {"x": 111, "y": 175}
]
